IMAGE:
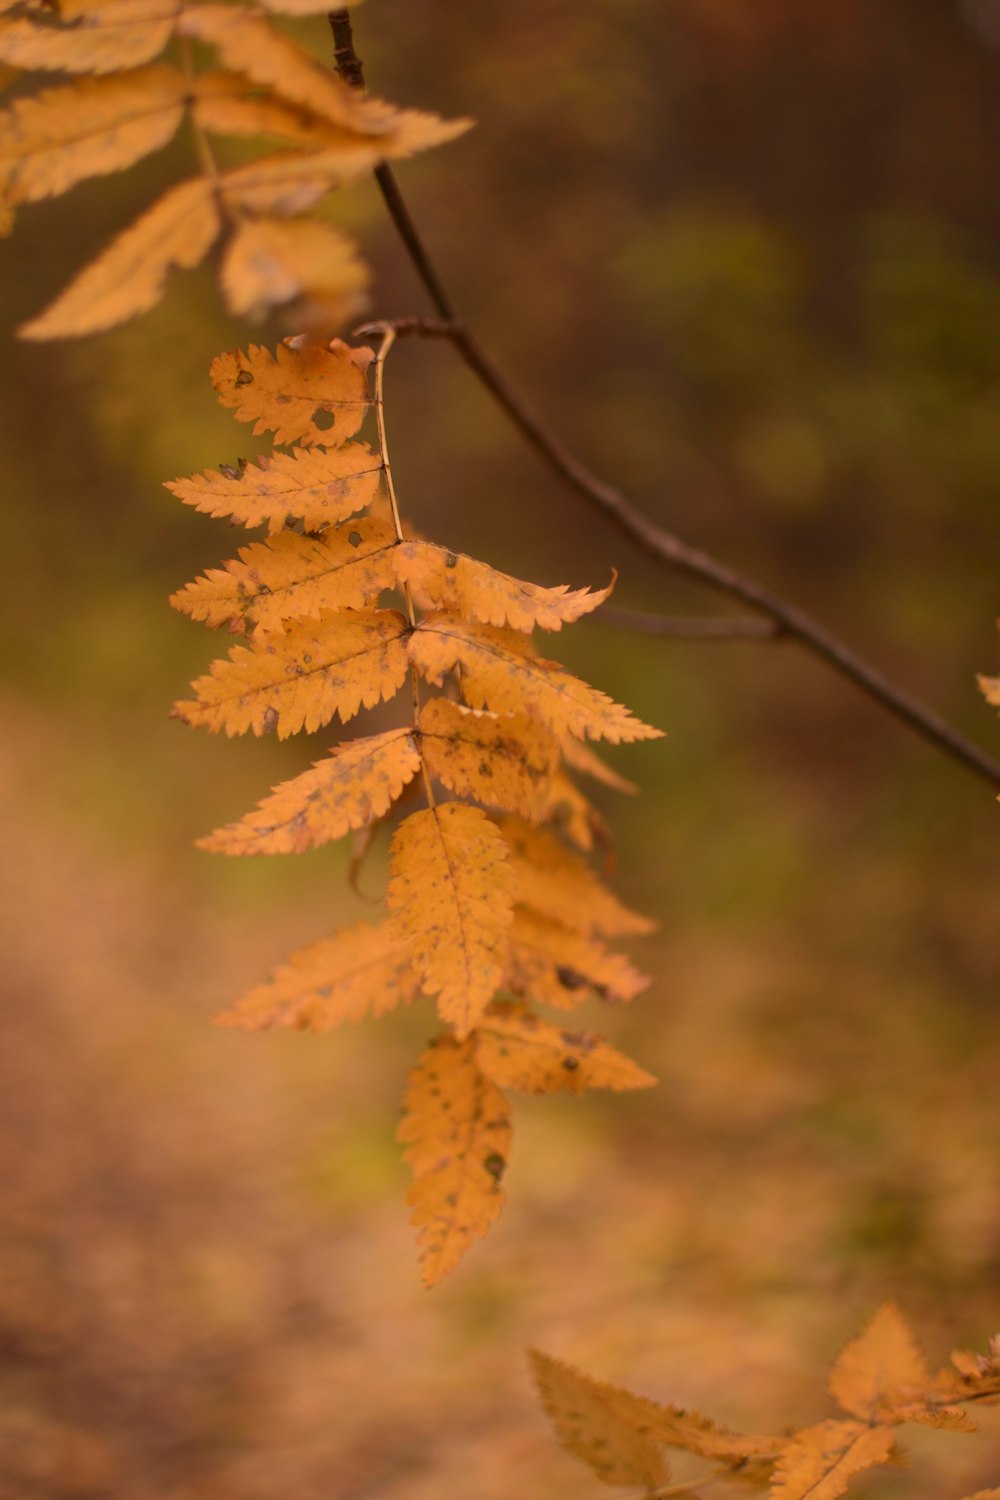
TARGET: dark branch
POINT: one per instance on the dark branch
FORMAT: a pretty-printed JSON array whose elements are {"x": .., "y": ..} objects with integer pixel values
[{"x": 662, "y": 545}]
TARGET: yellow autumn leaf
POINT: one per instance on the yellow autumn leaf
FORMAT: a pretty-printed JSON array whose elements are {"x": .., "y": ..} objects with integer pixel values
[
  {"x": 292, "y": 576},
  {"x": 990, "y": 688},
  {"x": 301, "y": 679},
  {"x": 571, "y": 812},
  {"x": 314, "y": 485},
  {"x": 129, "y": 277},
  {"x": 51, "y": 141},
  {"x": 357, "y": 784},
  {"x": 557, "y": 883},
  {"x": 581, "y": 758},
  {"x": 506, "y": 763},
  {"x": 820, "y": 1462},
  {"x": 880, "y": 1368},
  {"x": 270, "y": 262},
  {"x": 605, "y": 1426},
  {"x": 456, "y": 1133},
  {"x": 450, "y": 897},
  {"x": 440, "y": 579},
  {"x": 249, "y": 44},
  {"x": 97, "y": 37},
  {"x": 313, "y": 394},
  {"x": 228, "y": 104},
  {"x": 550, "y": 965},
  {"x": 361, "y": 971},
  {"x": 519, "y": 1050},
  {"x": 500, "y": 672},
  {"x": 287, "y": 183}
]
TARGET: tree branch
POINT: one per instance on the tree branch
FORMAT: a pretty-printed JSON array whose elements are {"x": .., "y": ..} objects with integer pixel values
[{"x": 663, "y": 546}]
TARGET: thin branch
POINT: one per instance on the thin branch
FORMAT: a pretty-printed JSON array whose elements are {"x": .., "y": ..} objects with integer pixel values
[
  {"x": 688, "y": 627},
  {"x": 658, "y": 543}
]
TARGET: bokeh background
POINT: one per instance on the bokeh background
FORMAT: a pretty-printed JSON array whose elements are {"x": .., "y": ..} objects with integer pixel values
[{"x": 746, "y": 256}]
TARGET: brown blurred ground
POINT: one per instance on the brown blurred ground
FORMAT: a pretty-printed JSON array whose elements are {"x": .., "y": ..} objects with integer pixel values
[{"x": 748, "y": 259}]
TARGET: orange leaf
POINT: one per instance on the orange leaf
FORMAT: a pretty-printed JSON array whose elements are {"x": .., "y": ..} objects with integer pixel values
[
  {"x": 456, "y": 1131},
  {"x": 357, "y": 784},
  {"x": 313, "y": 485},
  {"x": 271, "y": 262},
  {"x": 505, "y": 763},
  {"x": 359, "y": 972},
  {"x": 227, "y": 104},
  {"x": 98, "y": 38},
  {"x": 605, "y": 1426},
  {"x": 499, "y": 672},
  {"x": 879, "y": 1368},
  {"x": 453, "y": 582},
  {"x": 574, "y": 815},
  {"x": 821, "y": 1461},
  {"x": 519, "y": 1050},
  {"x": 450, "y": 897},
  {"x": 308, "y": 395},
  {"x": 551, "y": 966},
  {"x": 556, "y": 882},
  {"x": 55, "y": 139},
  {"x": 582, "y": 758},
  {"x": 293, "y": 576},
  {"x": 301, "y": 679},
  {"x": 130, "y": 276}
]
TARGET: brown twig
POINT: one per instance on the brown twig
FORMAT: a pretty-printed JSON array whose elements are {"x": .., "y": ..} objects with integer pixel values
[{"x": 662, "y": 545}]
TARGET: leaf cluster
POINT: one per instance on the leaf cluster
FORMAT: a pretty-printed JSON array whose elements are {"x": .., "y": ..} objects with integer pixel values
[
  {"x": 492, "y": 904},
  {"x": 140, "y": 69},
  {"x": 880, "y": 1381}
]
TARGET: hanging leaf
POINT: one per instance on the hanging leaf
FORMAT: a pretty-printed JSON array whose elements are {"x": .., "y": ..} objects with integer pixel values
[
  {"x": 519, "y": 1050},
  {"x": 130, "y": 276},
  {"x": 456, "y": 1132},
  {"x": 52, "y": 141},
  {"x": 582, "y": 758},
  {"x": 498, "y": 673},
  {"x": 271, "y": 262},
  {"x": 361, "y": 971},
  {"x": 96, "y": 38},
  {"x": 229, "y": 104},
  {"x": 450, "y": 581},
  {"x": 506, "y": 763},
  {"x": 556, "y": 882},
  {"x": 881, "y": 1367},
  {"x": 314, "y": 485},
  {"x": 335, "y": 665},
  {"x": 605, "y": 1426},
  {"x": 303, "y": 395},
  {"x": 550, "y": 965},
  {"x": 821, "y": 1461},
  {"x": 293, "y": 576},
  {"x": 450, "y": 898},
  {"x": 357, "y": 784}
]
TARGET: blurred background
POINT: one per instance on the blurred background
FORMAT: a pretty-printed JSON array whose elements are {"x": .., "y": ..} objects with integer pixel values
[{"x": 746, "y": 257}]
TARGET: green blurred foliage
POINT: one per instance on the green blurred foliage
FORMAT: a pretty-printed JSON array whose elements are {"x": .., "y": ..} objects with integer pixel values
[{"x": 747, "y": 259}]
